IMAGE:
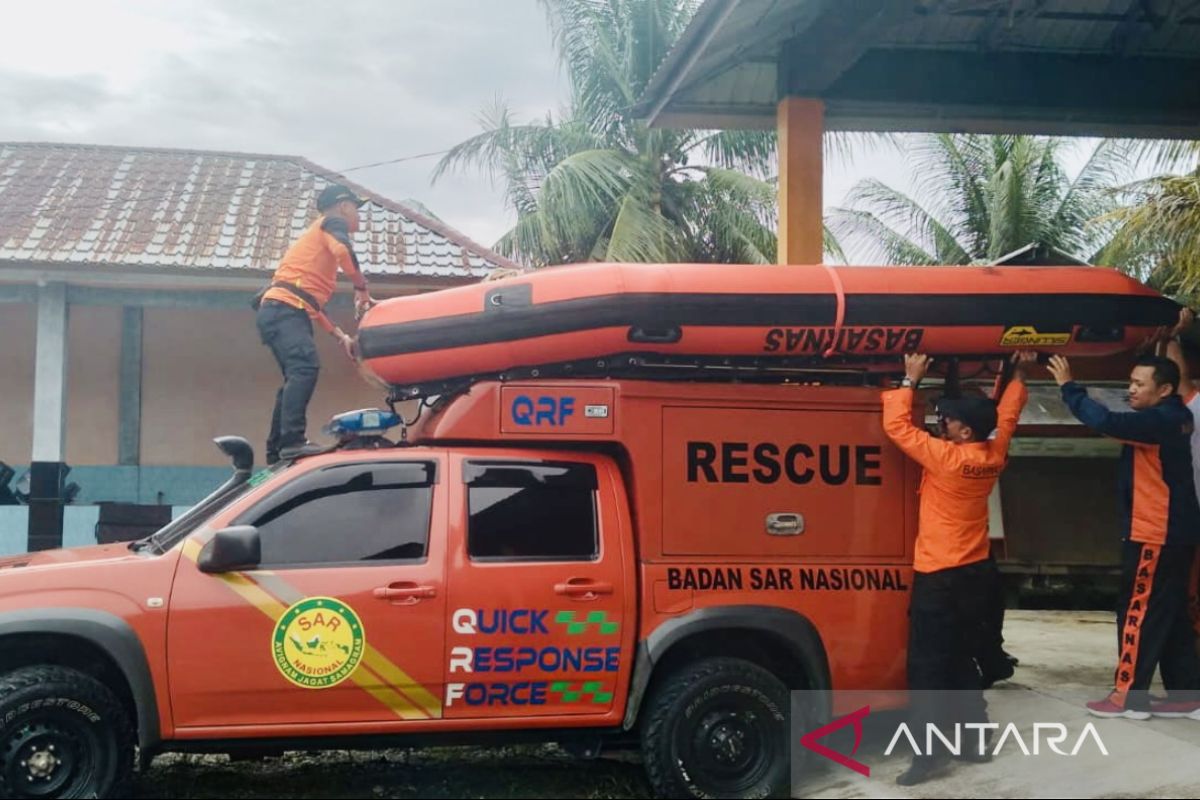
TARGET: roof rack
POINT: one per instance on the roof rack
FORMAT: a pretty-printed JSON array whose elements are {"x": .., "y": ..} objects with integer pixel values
[{"x": 844, "y": 371}]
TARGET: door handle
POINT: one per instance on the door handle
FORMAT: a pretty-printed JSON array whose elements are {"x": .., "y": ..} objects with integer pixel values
[
  {"x": 405, "y": 591},
  {"x": 787, "y": 523},
  {"x": 583, "y": 588}
]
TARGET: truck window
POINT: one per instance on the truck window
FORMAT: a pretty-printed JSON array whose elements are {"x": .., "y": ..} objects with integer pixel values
[
  {"x": 350, "y": 513},
  {"x": 531, "y": 511}
]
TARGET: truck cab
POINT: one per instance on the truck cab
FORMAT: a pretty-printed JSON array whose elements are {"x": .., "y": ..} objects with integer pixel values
[{"x": 604, "y": 563}]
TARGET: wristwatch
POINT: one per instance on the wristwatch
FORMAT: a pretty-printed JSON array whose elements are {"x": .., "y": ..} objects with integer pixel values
[{"x": 907, "y": 383}]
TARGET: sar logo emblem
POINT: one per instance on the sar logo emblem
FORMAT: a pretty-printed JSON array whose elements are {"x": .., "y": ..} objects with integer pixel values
[{"x": 318, "y": 642}]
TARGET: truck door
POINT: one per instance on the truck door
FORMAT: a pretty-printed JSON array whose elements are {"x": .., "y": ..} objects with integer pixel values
[
  {"x": 343, "y": 620},
  {"x": 541, "y": 601},
  {"x": 814, "y": 483}
]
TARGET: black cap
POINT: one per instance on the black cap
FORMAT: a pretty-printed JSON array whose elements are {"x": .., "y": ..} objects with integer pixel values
[
  {"x": 977, "y": 413},
  {"x": 335, "y": 193}
]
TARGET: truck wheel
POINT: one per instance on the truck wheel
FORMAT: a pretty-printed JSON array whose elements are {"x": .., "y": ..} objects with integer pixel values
[
  {"x": 718, "y": 728},
  {"x": 62, "y": 734}
]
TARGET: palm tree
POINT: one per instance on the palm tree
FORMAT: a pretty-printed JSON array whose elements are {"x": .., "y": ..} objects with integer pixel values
[
  {"x": 1158, "y": 233},
  {"x": 978, "y": 198},
  {"x": 594, "y": 183}
]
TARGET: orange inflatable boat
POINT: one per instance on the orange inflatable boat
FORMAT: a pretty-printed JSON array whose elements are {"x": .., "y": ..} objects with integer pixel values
[{"x": 602, "y": 314}]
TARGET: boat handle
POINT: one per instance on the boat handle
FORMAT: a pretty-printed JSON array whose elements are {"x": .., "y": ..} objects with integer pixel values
[{"x": 655, "y": 335}]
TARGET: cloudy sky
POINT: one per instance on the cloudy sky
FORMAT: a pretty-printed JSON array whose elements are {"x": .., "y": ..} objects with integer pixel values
[{"x": 343, "y": 84}]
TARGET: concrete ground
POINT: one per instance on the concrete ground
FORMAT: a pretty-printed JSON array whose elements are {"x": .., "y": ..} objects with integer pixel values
[{"x": 1067, "y": 658}]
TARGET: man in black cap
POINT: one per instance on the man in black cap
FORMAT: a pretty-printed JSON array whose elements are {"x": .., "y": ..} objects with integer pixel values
[
  {"x": 994, "y": 662},
  {"x": 953, "y": 581},
  {"x": 301, "y": 286}
]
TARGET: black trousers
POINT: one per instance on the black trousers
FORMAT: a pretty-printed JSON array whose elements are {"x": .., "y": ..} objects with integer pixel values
[
  {"x": 288, "y": 331},
  {"x": 1194, "y": 596},
  {"x": 948, "y": 628},
  {"x": 991, "y": 656},
  {"x": 1154, "y": 629}
]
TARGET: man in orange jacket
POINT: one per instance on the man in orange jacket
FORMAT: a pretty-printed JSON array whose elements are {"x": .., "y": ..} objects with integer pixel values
[
  {"x": 301, "y": 286},
  {"x": 953, "y": 581}
]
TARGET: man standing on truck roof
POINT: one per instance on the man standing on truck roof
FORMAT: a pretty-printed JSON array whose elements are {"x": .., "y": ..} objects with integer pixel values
[
  {"x": 301, "y": 286},
  {"x": 1161, "y": 527},
  {"x": 952, "y": 589}
]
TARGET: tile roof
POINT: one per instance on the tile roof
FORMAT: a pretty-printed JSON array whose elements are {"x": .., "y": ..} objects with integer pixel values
[{"x": 159, "y": 208}]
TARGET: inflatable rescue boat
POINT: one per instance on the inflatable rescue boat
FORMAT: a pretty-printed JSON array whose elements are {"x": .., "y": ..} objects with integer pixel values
[{"x": 814, "y": 314}]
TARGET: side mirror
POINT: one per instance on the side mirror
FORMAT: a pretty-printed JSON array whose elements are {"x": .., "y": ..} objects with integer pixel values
[{"x": 231, "y": 549}]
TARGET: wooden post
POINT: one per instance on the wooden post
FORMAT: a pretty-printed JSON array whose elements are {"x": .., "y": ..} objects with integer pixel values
[{"x": 801, "y": 122}]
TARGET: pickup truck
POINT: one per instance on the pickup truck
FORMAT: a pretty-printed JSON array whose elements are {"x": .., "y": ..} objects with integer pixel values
[{"x": 605, "y": 564}]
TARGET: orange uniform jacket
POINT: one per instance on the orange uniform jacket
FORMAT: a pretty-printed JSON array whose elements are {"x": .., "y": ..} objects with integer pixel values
[
  {"x": 312, "y": 263},
  {"x": 953, "y": 526}
]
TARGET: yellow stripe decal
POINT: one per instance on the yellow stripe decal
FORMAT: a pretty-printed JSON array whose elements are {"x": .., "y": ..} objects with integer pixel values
[
  {"x": 420, "y": 703},
  {"x": 393, "y": 675},
  {"x": 192, "y": 548},
  {"x": 386, "y": 695},
  {"x": 386, "y": 670}
]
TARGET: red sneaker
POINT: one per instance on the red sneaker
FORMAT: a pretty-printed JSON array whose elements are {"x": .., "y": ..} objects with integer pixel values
[
  {"x": 1175, "y": 710},
  {"x": 1107, "y": 708}
]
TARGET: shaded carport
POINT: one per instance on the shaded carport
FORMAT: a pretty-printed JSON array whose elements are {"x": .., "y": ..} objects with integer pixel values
[
  {"x": 1113, "y": 68},
  {"x": 1118, "y": 68}
]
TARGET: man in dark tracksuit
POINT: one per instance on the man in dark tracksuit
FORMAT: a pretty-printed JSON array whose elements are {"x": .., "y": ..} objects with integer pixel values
[{"x": 1161, "y": 524}]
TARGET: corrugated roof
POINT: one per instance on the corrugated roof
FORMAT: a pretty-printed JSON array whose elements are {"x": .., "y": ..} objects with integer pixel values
[{"x": 64, "y": 204}]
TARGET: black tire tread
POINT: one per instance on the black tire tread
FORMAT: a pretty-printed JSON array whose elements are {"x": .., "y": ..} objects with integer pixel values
[
  {"x": 657, "y": 716},
  {"x": 77, "y": 685}
]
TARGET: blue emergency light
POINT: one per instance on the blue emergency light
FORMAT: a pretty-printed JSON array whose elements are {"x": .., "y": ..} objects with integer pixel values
[{"x": 364, "y": 422}]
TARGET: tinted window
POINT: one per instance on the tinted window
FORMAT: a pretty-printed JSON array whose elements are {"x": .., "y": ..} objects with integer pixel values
[
  {"x": 531, "y": 512},
  {"x": 359, "y": 512}
]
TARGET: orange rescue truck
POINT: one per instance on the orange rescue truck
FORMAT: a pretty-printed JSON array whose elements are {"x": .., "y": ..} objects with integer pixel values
[{"x": 599, "y": 562}]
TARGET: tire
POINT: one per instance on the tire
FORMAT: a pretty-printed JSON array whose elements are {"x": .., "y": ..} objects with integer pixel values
[
  {"x": 74, "y": 726},
  {"x": 718, "y": 728}
]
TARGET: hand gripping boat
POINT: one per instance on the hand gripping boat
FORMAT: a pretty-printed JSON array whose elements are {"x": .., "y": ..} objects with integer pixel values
[{"x": 593, "y": 317}]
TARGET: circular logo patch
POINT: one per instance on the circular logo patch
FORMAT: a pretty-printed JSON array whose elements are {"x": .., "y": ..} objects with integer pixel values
[{"x": 318, "y": 642}]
